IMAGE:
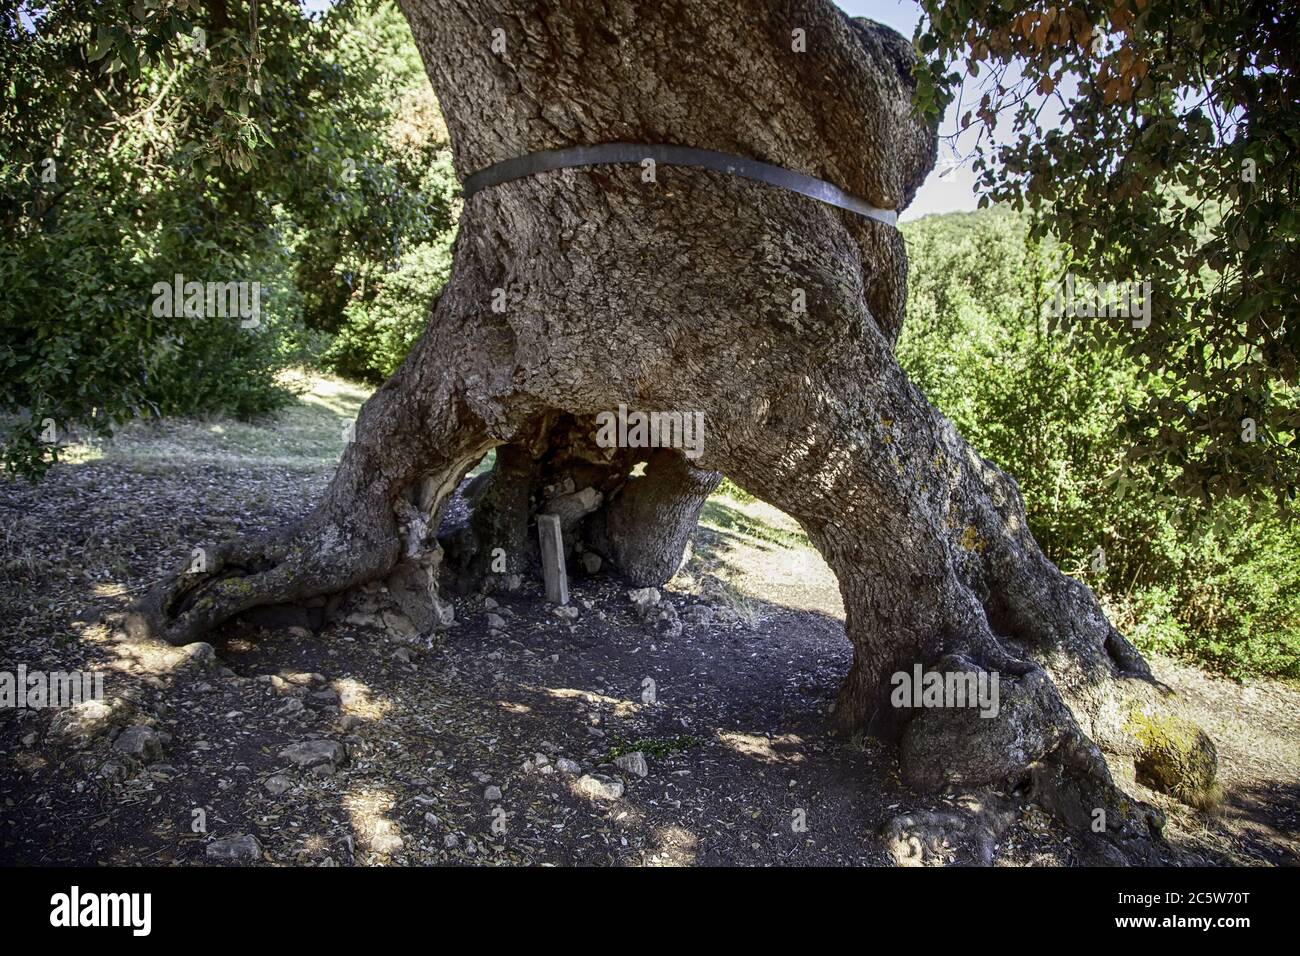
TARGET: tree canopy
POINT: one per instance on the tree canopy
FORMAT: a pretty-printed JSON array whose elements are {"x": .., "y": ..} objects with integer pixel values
[
  {"x": 1160, "y": 141},
  {"x": 142, "y": 139}
]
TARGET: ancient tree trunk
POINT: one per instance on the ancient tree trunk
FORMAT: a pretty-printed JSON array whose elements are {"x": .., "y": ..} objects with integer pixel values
[{"x": 772, "y": 315}]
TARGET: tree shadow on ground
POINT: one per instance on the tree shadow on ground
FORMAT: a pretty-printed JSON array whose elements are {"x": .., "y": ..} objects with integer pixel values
[{"x": 94, "y": 535}]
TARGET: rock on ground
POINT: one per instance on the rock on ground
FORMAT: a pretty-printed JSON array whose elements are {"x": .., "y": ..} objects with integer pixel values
[
  {"x": 141, "y": 743},
  {"x": 599, "y": 787},
  {"x": 80, "y": 725},
  {"x": 243, "y": 848},
  {"x": 634, "y": 762},
  {"x": 315, "y": 753}
]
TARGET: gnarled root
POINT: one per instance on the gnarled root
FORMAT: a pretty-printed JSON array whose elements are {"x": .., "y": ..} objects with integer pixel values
[
  {"x": 245, "y": 573},
  {"x": 415, "y": 439}
]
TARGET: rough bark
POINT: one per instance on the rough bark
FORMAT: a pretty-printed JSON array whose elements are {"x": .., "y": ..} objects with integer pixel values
[
  {"x": 680, "y": 295},
  {"x": 638, "y": 525},
  {"x": 646, "y": 527}
]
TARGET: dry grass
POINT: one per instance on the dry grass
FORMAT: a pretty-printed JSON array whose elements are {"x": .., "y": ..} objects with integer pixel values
[{"x": 306, "y": 436}]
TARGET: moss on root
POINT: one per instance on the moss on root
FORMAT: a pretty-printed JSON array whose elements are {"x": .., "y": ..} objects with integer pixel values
[
  {"x": 236, "y": 586},
  {"x": 1176, "y": 758}
]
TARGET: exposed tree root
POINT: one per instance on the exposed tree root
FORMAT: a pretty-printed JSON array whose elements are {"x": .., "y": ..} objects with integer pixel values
[{"x": 254, "y": 572}]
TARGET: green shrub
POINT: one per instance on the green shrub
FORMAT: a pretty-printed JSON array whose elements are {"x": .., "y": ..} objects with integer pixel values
[
  {"x": 1217, "y": 586},
  {"x": 383, "y": 321},
  {"x": 322, "y": 161}
]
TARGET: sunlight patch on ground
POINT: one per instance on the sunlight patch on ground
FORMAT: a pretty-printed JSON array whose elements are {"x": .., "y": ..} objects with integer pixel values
[
  {"x": 306, "y": 435},
  {"x": 754, "y": 519},
  {"x": 80, "y": 453},
  {"x": 142, "y": 655},
  {"x": 356, "y": 698},
  {"x": 368, "y": 810},
  {"x": 759, "y": 747},
  {"x": 761, "y": 554},
  {"x": 674, "y": 846},
  {"x": 622, "y": 708}
]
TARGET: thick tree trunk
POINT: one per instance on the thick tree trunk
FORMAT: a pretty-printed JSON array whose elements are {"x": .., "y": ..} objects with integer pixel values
[{"x": 771, "y": 314}]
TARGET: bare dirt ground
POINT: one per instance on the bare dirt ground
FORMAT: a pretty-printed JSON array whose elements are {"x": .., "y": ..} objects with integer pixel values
[{"x": 478, "y": 749}]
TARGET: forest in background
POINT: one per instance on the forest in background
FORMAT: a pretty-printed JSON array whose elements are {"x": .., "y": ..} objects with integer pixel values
[
  {"x": 1215, "y": 582},
  {"x": 341, "y": 202}
]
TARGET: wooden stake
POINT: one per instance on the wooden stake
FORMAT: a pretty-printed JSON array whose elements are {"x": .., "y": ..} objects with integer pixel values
[{"x": 552, "y": 541}]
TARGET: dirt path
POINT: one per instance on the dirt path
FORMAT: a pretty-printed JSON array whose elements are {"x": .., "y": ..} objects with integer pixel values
[{"x": 741, "y": 766}]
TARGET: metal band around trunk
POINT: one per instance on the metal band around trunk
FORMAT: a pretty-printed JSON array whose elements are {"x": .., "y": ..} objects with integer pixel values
[{"x": 610, "y": 153}]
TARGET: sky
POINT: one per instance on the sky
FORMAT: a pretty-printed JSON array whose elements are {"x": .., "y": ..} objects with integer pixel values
[{"x": 951, "y": 186}]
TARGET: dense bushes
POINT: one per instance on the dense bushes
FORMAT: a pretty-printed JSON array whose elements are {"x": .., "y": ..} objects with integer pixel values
[
  {"x": 382, "y": 322},
  {"x": 372, "y": 282},
  {"x": 306, "y": 156},
  {"x": 1219, "y": 585}
]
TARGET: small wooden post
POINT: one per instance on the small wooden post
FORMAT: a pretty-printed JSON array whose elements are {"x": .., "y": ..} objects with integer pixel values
[{"x": 557, "y": 582}]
